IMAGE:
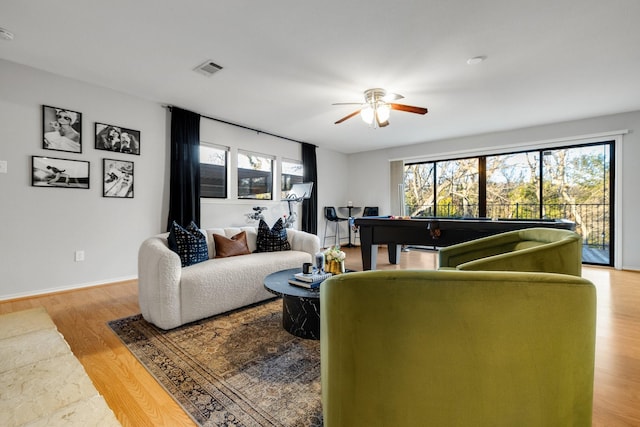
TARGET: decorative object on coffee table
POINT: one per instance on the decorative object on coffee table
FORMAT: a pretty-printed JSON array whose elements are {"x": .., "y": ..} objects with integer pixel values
[
  {"x": 334, "y": 260},
  {"x": 310, "y": 281}
]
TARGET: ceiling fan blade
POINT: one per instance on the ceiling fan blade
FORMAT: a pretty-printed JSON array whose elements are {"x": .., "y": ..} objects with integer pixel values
[
  {"x": 409, "y": 108},
  {"x": 392, "y": 97},
  {"x": 379, "y": 123},
  {"x": 347, "y": 103},
  {"x": 347, "y": 117}
]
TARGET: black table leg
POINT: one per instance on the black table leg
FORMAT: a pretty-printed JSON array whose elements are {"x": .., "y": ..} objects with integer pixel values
[
  {"x": 368, "y": 250},
  {"x": 394, "y": 252}
]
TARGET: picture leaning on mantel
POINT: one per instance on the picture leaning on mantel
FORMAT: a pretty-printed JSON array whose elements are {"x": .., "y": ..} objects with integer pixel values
[
  {"x": 61, "y": 129},
  {"x": 62, "y": 173},
  {"x": 117, "y": 178},
  {"x": 117, "y": 139}
]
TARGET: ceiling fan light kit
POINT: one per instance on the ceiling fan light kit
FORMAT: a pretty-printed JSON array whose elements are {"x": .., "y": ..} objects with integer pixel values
[
  {"x": 376, "y": 109},
  {"x": 375, "y": 114}
]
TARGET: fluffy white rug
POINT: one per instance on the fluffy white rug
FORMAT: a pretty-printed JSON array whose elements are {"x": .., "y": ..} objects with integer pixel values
[{"x": 41, "y": 381}]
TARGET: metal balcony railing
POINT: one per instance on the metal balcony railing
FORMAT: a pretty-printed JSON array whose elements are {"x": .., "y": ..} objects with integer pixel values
[{"x": 592, "y": 220}]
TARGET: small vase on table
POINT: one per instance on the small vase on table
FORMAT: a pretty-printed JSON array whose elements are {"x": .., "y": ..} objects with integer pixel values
[{"x": 334, "y": 267}]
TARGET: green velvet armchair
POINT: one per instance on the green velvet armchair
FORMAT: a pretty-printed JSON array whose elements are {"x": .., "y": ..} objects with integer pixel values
[
  {"x": 533, "y": 249},
  {"x": 457, "y": 348}
]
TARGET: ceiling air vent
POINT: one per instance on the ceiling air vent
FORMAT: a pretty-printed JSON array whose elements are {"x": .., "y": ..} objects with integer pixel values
[{"x": 208, "y": 68}]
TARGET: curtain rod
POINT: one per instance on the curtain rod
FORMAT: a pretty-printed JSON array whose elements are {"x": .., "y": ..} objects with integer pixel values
[{"x": 247, "y": 128}]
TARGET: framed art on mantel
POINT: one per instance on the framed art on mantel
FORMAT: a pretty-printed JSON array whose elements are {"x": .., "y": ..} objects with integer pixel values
[
  {"x": 65, "y": 173},
  {"x": 117, "y": 178},
  {"x": 61, "y": 129},
  {"x": 118, "y": 139}
]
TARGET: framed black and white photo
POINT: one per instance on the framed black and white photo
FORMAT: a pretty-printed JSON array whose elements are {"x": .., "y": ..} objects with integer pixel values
[
  {"x": 61, "y": 129},
  {"x": 117, "y": 180},
  {"x": 118, "y": 139},
  {"x": 64, "y": 173}
]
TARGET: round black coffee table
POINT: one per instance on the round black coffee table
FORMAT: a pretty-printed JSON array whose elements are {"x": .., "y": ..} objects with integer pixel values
[{"x": 300, "y": 306}]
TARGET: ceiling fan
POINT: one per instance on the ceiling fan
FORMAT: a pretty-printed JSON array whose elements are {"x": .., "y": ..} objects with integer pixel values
[{"x": 377, "y": 106}]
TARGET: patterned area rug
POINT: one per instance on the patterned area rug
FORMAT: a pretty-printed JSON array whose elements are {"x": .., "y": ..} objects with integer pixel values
[{"x": 236, "y": 369}]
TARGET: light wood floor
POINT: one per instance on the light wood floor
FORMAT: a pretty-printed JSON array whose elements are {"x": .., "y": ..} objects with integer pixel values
[{"x": 138, "y": 400}]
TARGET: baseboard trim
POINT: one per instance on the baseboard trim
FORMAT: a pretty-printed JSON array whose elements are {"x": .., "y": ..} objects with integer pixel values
[{"x": 66, "y": 288}]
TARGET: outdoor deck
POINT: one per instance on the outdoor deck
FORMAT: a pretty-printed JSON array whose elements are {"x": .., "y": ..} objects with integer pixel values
[{"x": 590, "y": 255}]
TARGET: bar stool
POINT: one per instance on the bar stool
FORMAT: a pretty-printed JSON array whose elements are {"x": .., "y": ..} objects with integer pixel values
[
  {"x": 367, "y": 211},
  {"x": 370, "y": 211},
  {"x": 331, "y": 216}
]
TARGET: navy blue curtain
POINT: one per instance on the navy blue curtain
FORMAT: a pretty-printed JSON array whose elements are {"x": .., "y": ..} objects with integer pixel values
[
  {"x": 184, "y": 197},
  {"x": 310, "y": 174}
]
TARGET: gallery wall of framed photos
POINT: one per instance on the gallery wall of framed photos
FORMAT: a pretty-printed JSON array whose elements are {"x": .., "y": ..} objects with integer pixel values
[{"x": 62, "y": 131}]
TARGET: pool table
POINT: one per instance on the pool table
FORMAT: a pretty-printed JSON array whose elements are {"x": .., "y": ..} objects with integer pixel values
[{"x": 436, "y": 232}]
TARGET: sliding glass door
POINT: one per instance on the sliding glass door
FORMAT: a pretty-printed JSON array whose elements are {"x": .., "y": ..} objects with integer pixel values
[
  {"x": 573, "y": 183},
  {"x": 577, "y": 185}
]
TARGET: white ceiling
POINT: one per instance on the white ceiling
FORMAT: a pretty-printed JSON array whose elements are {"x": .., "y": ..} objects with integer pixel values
[{"x": 286, "y": 61}]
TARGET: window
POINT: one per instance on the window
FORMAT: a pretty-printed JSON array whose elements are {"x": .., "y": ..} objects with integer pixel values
[
  {"x": 419, "y": 189},
  {"x": 445, "y": 189},
  {"x": 457, "y": 188},
  {"x": 291, "y": 174},
  {"x": 577, "y": 185},
  {"x": 513, "y": 186},
  {"x": 213, "y": 171},
  {"x": 255, "y": 176},
  {"x": 573, "y": 183}
]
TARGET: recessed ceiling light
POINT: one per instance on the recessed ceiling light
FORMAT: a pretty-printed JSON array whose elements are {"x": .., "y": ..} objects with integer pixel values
[
  {"x": 476, "y": 60},
  {"x": 6, "y": 34}
]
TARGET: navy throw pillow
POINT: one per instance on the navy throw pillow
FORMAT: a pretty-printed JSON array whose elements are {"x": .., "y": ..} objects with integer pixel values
[
  {"x": 272, "y": 239},
  {"x": 189, "y": 243}
]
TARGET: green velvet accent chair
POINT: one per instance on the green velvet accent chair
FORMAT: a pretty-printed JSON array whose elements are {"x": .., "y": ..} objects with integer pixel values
[
  {"x": 457, "y": 348},
  {"x": 533, "y": 249}
]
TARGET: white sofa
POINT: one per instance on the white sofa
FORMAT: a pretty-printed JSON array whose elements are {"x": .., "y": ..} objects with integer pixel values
[{"x": 171, "y": 295}]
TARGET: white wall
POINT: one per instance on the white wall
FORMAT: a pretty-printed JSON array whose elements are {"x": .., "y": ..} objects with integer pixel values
[
  {"x": 331, "y": 188},
  {"x": 333, "y": 170},
  {"x": 231, "y": 212},
  {"x": 369, "y": 176},
  {"x": 375, "y": 186},
  {"x": 41, "y": 228}
]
